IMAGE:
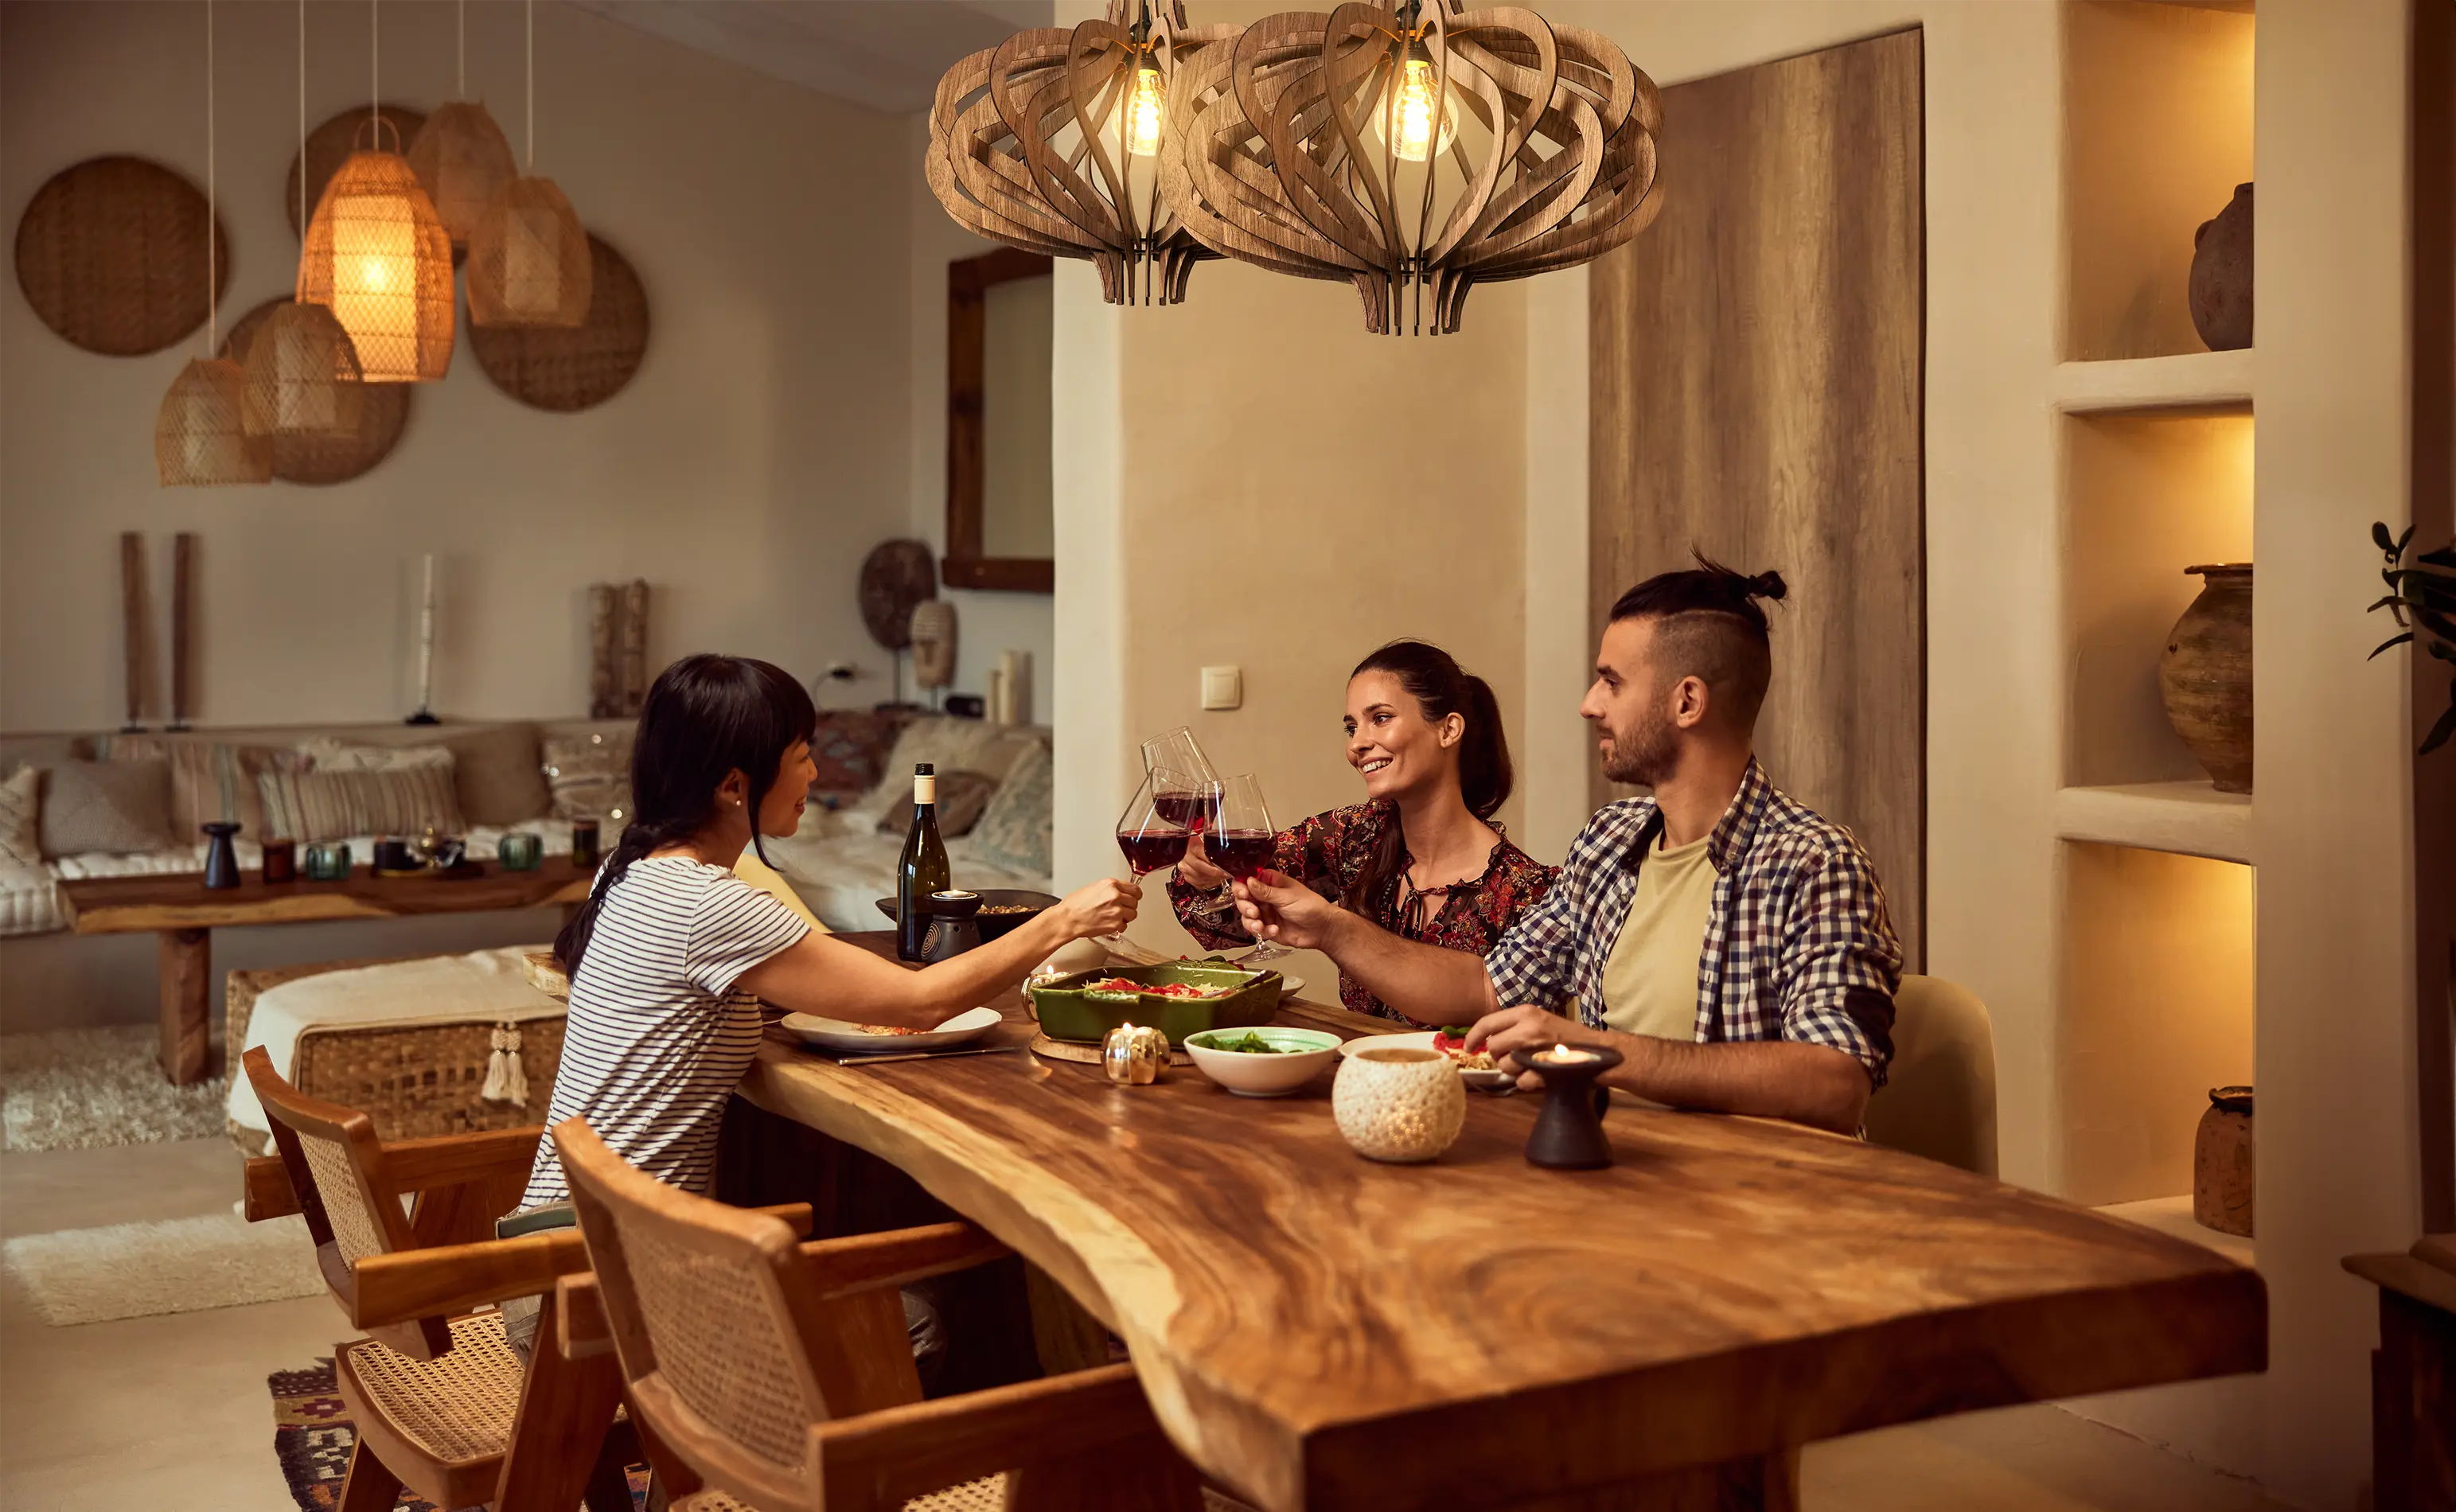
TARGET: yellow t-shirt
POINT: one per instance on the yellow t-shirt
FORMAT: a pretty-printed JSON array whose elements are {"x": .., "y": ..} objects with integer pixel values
[{"x": 1650, "y": 977}]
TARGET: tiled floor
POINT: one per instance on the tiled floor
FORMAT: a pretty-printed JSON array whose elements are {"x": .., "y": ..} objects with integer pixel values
[{"x": 172, "y": 1412}]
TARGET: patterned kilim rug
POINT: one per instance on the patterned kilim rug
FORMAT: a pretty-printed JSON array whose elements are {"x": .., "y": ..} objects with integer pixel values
[{"x": 313, "y": 1438}]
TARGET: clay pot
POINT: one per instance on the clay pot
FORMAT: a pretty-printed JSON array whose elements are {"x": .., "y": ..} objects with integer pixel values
[
  {"x": 2220, "y": 287},
  {"x": 2205, "y": 675},
  {"x": 2223, "y": 1163}
]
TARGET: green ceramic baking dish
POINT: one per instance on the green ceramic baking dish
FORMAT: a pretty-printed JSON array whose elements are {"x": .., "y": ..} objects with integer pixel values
[{"x": 1068, "y": 1011}]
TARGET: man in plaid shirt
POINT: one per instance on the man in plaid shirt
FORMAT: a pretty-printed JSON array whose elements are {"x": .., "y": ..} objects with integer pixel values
[{"x": 1731, "y": 944}]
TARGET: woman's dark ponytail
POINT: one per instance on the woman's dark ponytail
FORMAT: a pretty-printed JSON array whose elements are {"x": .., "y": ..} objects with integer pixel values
[
  {"x": 1440, "y": 687},
  {"x": 707, "y": 717}
]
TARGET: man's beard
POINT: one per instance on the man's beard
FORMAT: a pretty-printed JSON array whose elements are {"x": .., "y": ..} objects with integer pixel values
[{"x": 1645, "y": 756}]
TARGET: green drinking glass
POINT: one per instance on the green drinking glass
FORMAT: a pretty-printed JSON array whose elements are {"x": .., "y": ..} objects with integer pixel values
[
  {"x": 520, "y": 852},
  {"x": 326, "y": 861}
]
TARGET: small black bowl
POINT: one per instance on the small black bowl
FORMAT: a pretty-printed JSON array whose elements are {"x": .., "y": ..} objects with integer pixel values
[{"x": 999, "y": 910}]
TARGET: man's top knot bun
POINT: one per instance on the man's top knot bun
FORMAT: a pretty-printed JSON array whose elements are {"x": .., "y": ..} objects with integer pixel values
[{"x": 1768, "y": 585}]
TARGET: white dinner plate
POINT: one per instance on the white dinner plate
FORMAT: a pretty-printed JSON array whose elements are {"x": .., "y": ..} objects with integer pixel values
[
  {"x": 829, "y": 1033},
  {"x": 1483, "y": 1080},
  {"x": 1290, "y": 986}
]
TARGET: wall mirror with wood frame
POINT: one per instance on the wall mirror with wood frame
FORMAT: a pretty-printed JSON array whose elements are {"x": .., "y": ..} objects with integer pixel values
[{"x": 999, "y": 529}]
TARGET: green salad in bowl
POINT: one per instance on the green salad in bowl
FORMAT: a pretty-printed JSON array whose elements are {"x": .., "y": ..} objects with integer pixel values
[{"x": 1269, "y": 1060}]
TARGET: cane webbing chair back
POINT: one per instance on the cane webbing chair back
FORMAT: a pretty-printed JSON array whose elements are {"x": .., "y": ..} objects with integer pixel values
[
  {"x": 336, "y": 1165},
  {"x": 709, "y": 1320}
]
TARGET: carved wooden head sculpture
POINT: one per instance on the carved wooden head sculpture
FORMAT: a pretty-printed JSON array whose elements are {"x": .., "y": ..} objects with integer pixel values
[
  {"x": 933, "y": 642},
  {"x": 1050, "y": 142},
  {"x": 1410, "y": 148}
]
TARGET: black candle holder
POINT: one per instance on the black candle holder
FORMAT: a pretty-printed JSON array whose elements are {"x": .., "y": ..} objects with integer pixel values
[
  {"x": 1569, "y": 1131},
  {"x": 221, "y": 856}
]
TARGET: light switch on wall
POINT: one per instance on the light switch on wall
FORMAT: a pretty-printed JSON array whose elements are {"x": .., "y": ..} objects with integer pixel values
[{"x": 1222, "y": 687}]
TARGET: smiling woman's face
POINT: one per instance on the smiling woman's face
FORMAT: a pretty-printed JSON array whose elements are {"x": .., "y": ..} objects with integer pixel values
[{"x": 1390, "y": 743}]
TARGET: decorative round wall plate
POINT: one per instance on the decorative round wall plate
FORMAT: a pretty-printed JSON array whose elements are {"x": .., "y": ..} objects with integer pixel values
[
  {"x": 112, "y": 254},
  {"x": 552, "y": 369},
  {"x": 316, "y": 461},
  {"x": 328, "y": 145},
  {"x": 895, "y": 577}
]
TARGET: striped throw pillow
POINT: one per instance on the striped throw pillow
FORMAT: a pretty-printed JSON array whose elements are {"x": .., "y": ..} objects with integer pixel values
[
  {"x": 210, "y": 779},
  {"x": 21, "y": 809},
  {"x": 320, "y": 805}
]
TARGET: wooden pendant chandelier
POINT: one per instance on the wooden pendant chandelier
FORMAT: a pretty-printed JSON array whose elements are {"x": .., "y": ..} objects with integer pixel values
[
  {"x": 1411, "y": 149},
  {"x": 1053, "y": 141}
]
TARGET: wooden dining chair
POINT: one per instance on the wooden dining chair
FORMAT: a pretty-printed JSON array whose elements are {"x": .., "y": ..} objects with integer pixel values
[
  {"x": 770, "y": 1374},
  {"x": 404, "y": 1236}
]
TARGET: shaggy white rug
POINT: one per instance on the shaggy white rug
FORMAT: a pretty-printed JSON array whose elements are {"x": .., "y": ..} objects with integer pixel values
[
  {"x": 81, "y": 1088},
  {"x": 167, "y": 1265}
]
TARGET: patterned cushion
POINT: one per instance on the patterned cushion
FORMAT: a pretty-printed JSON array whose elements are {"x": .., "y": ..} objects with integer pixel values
[
  {"x": 590, "y": 776},
  {"x": 326, "y": 804},
  {"x": 329, "y": 755},
  {"x": 1013, "y": 832},
  {"x": 116, "y": 805},
  {"x": 208, "y": 779},
  {"x": 851, "y": 746},
  {"x": 21, "y": 809},
  {"x": 962, "y": 797}
]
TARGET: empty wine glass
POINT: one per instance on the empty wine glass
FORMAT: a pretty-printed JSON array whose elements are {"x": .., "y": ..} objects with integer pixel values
[
  {"x": 1241, "y": 840},
  {"x": 1153, "y": 831}
]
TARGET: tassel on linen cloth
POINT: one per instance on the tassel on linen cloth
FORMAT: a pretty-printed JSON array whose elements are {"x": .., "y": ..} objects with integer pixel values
[{"x": 505, "y": 1079}]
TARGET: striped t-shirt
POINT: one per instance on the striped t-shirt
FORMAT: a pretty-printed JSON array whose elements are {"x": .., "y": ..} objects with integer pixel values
[{"x": 656, "y": 1037}]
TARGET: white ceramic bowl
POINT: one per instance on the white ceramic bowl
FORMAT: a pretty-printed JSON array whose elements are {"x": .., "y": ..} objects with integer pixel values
[{"x": 1301, "y": 1055}]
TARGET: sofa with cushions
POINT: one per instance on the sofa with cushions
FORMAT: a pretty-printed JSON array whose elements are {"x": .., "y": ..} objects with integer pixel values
[{"x": 111, "y": 804}]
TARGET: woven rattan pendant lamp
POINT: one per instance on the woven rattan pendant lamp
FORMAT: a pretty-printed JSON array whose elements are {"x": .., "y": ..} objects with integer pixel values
[
  {"x": 199, "y": 438},
  {"x": 379, "y": 257},
  {"x": 460, "y": 155},
  {"x": 528, "y": 258},
  {"x": 302, "y": 373},
  {"x": 1053, "y": 141},
  {"x": 1415, "y": 148}
]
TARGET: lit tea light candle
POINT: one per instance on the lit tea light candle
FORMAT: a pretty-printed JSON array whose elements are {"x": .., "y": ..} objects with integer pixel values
[{"x": 1564, "y": 1056}]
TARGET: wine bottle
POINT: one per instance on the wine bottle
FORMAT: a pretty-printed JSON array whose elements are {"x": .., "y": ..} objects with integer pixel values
[{"x": 922, "y": 870}]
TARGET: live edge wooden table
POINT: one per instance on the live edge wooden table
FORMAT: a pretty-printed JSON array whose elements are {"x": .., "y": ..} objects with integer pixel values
[
  {"x": 183, "y": 914},
  {"x": 1318, "y": 1331}
]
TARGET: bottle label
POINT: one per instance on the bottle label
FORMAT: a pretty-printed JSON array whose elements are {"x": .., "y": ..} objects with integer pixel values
[{"x": 925, "y": 790}]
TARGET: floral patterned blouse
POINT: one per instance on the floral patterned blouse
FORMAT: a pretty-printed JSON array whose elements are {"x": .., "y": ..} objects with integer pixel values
[{"x": 1328, "y": 852}]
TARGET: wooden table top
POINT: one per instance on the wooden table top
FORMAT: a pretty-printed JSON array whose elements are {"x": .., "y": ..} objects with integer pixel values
[
  {"x": 1320, "y": 1331},
  {"x": 180, "y": 901}
]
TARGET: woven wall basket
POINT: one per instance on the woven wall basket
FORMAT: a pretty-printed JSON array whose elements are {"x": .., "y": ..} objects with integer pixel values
[
  {"x": 111, "y": 255},
  {"x": 552, "y": 369},
  {"x": 329, "y": 145},
  {"x": 384, "y": 414}
]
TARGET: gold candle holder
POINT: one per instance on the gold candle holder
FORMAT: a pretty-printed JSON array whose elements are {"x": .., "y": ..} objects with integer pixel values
[{"x": 1135, "y": 1054}]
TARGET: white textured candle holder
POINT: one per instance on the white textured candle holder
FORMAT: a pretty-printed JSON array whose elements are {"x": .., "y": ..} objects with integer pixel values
[{"x": 1401, "y": 1105}]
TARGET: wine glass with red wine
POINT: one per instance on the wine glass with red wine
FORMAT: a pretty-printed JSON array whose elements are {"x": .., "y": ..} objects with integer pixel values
[
  {"x": 1177, "y": 751},
  {"x": 1153, "y": 831},
  {"x": 1241, "y": 840}
]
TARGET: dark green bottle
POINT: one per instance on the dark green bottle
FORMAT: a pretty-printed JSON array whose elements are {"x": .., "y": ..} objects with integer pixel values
[{"x": 922, "y": 870}]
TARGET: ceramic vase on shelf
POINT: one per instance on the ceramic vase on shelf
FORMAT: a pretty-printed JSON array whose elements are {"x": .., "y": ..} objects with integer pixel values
[
  {"x": 2205, "y": 675},
  {"x": 2224, "y": 1163},
  {"x": 2220, "y": 292}
]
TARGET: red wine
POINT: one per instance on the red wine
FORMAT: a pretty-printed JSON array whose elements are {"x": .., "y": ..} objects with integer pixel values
[
  {"x": 1148, "y": 852},
  {"x": 1241, "y": 852},
  {"x": 1189, "y": 811}
]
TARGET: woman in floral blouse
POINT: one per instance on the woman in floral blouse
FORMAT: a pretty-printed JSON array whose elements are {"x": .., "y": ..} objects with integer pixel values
[{"x": 1421, "y": 855}]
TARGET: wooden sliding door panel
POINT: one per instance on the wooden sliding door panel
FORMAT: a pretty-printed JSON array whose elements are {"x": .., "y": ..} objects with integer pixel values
[{"x": 1757, "y": 395}]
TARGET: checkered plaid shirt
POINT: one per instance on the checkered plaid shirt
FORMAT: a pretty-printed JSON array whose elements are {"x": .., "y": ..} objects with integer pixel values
[{"x": 1797, "y": 944}]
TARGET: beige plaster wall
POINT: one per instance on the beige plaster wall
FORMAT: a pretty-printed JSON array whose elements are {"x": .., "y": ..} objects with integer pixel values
[{"x": 758, "y": 454}]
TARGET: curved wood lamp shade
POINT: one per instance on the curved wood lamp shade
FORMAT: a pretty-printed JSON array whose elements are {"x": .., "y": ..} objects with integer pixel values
[
  {"x": 1552, "y": 148},
  {"x": 1052, "y": 142},
  {"x": 377, "y": 256}
]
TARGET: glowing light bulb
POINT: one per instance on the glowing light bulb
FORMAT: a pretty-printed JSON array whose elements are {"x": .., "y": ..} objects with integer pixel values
[
  {"x": 1413, "y": 117},
  {"x": 1143, "y": 113}
]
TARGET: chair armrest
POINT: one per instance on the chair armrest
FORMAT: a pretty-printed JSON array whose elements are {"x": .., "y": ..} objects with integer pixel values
[
  {"x": 266, "y": 1190},
  {"x": 451, "y": 1160},
  {"x": 910, "y": 1451},
  {"x": 582, "y": 1330},
  {"x": 450, "y": 1278},
  {"x": 456, "y": 1277},
  {"x": 865, "y": 1261}
]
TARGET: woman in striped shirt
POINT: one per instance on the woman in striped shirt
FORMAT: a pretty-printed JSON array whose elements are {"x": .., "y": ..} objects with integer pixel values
[{"x": 671, "y": 954}]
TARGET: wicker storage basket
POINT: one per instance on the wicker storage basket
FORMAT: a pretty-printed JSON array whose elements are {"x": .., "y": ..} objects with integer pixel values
[{"x": 414, "y": 1080}]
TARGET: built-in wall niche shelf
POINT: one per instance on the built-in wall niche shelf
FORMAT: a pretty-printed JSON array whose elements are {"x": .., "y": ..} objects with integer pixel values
[
  {"x": 2194, "y": 380},
  {"x": 2158, "y": 131},
  {"x": 2173, "y": 1217},
  {"x": 2181, "y": 818}
]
